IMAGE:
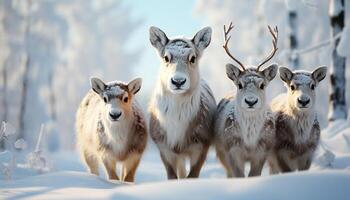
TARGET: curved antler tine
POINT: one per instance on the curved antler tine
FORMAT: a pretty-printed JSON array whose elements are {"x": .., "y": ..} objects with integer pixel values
[
  {"x": 274, "y": 34},
  {"x": 225, "y": 46}
]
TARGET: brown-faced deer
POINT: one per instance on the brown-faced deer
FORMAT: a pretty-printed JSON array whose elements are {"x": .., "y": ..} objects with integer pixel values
[
  {"x": 111, "y": 128},
  {"x": 183, "y": 105},
  {"x": 244, "y": 126},
  {"x": 297, "y": 128}
]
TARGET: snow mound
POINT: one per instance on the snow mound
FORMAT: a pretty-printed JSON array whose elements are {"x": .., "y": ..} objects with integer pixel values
[{"x": 75, "y": 185}]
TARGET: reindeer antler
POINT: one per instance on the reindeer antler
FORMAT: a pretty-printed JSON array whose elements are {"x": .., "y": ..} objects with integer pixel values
[
  {"x": 274, "y": 34},
  {"x": 227, "y": 39}
]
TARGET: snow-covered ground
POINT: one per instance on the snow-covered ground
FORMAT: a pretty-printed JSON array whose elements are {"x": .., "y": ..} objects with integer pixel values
[{"x": 329, "y": 178}]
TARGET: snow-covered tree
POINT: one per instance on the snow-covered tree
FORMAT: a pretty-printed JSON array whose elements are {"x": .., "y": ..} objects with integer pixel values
[
  {"x": 66, "y": 43},
  {"x": 293, "y": 58},
  {"x": 337, "y": 106}
]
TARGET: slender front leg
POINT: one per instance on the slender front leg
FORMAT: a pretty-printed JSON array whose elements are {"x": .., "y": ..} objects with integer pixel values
[
  {"x": 256, "y": 166},
  {"x": 92, "y": 163},
  {"x": 304, "y": 162},
  {"x": 169, "y": 164},
  {"x": 110, "y": 164},
  {"x": 282, "y": 162},
  {"x": 197, "y": 161},
  {"x": 236, "y": 162},
  {"x": 131, "y": 166},
  {"x": 222, "y": 156}
]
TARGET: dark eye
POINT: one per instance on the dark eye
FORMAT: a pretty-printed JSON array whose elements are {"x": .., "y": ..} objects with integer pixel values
[
  {"x": 193, "y": 59},
  {"x": 240, "y": 85},
  {"x": 312, "y": 86},
  {"x": 292, "y": 87},
  {"x": 105, "y": 99},
  {"x": 262, "y": 86},
  {"x": 166, "y": 58},
  {"x": 126, "y": 99}
]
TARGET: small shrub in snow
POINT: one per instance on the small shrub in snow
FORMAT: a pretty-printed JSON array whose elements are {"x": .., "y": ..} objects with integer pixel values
[{"x": 36, "y": 160}]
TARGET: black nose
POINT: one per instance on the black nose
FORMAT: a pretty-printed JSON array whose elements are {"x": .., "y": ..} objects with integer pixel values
[
  {"x": 178, "y": 82},
  {"x": 115, "y": 116},
  {"x": 303, "y": 102},
  {"x": 251, "y": 103}
]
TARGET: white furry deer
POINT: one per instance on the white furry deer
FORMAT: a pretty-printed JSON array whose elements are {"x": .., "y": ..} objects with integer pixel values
[
  {"x": 297, "y": 128},
  {"x": 183, "y": 106},
  {"x": 111, "y": 128},
  {"x": 244, "y": 126}
]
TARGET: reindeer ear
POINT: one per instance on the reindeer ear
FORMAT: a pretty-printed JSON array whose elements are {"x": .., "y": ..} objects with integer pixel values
[
  {"x": 232, "y": 72},
  {"x": 135, "y": 85},
  {"x": 158, "y": 38},
  {"x": 97, "y": 85},
  {"x": 202, "y": 39},
  {"x": 270, "y": 72},
  {"x": 285, "y": 74},
  {"x": 319, "y": 74}
]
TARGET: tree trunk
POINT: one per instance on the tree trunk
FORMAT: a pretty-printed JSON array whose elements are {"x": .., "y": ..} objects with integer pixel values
[
  {"x": 25, "y": 80},
  {"x": 293, "y": 59},
  {"x": 4, "y": 99},
  {"x": 53, "y": 114},
  {"x": 337, "y": 103}
]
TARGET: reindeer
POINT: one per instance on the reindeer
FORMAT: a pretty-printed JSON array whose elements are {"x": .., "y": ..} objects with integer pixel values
[
  {"x": 110, "y": 127},
  {"x": 182, "y": 107},
  {"x": 244, "y": 125},
  {"x": 297, "y": 128}
]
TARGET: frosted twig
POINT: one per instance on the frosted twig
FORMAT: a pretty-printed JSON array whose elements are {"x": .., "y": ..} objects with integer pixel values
[
  {"x": 317, "y": 46},
  {"x": 37, "y": 147}
]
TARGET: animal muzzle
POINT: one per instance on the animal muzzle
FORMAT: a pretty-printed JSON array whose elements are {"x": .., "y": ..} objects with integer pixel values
[
  {"x": 178, "y": 82},
  {"x": 115, "y": 115},
  {"x": 303, "y": 101},
  {"x": 251, "y": 101}
]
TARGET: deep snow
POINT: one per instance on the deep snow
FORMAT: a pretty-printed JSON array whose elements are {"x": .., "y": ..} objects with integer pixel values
[{"x": 329, "y": 178}]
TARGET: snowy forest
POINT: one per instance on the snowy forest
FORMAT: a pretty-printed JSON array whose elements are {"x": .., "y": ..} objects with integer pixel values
[{"x": 51, "y": 48}]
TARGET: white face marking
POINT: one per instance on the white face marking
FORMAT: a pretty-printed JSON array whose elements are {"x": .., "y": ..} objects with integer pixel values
[
  {"x": 301, "y": 91},
  {"x": 251, "y": 97},
  {"x": 112, "y": 97},
  {"x": 176, "y": 73}
]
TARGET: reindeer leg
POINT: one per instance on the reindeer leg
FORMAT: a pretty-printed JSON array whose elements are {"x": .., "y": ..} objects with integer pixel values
[
  {"x": 91, "y": 162},
  {"x": 131, "y": 165},
  {"x": 282, "y": 163},
  {"x": 169, "y": 163},
  {"x": 304, "y": 162},
  {"x": 236, "y": 162},
  {"x": 110, "y": 164},
  {"x": 257, "y": 164},
  {"x": 221, "y": 154},
  {"x": 197, "y": 161}
]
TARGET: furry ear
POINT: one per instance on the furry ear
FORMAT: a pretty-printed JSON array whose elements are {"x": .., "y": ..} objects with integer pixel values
[
  {"x": 158, "y": 38},
  {"x": 319, "y": 74},
  {"x": 202, "y": 39},
  {"x": 97, "y": 85},
  {"x": 270, "y": 72},
  {"x": 232, "y": 72},
  {"x": 135, "y": 85},
  {"x": 285, "y": 74}
]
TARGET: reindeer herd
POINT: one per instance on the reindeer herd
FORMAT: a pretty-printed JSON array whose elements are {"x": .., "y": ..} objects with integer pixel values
[{"x": 185, "y": 120}]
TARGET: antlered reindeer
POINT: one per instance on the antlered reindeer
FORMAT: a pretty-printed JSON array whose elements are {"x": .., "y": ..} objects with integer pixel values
[
  {"x": 183, "y": 106},
  {"x": 110, "y": 127},
  {"x": 244, "y": 125},
  {"x": 297, "y": 128}
]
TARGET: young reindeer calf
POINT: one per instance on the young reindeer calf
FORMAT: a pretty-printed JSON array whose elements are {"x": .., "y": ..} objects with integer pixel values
[
  {"x": 110, "y": 127},
  {"x": 244, "y": 125},
  {"x": 297, "y": 128}
]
